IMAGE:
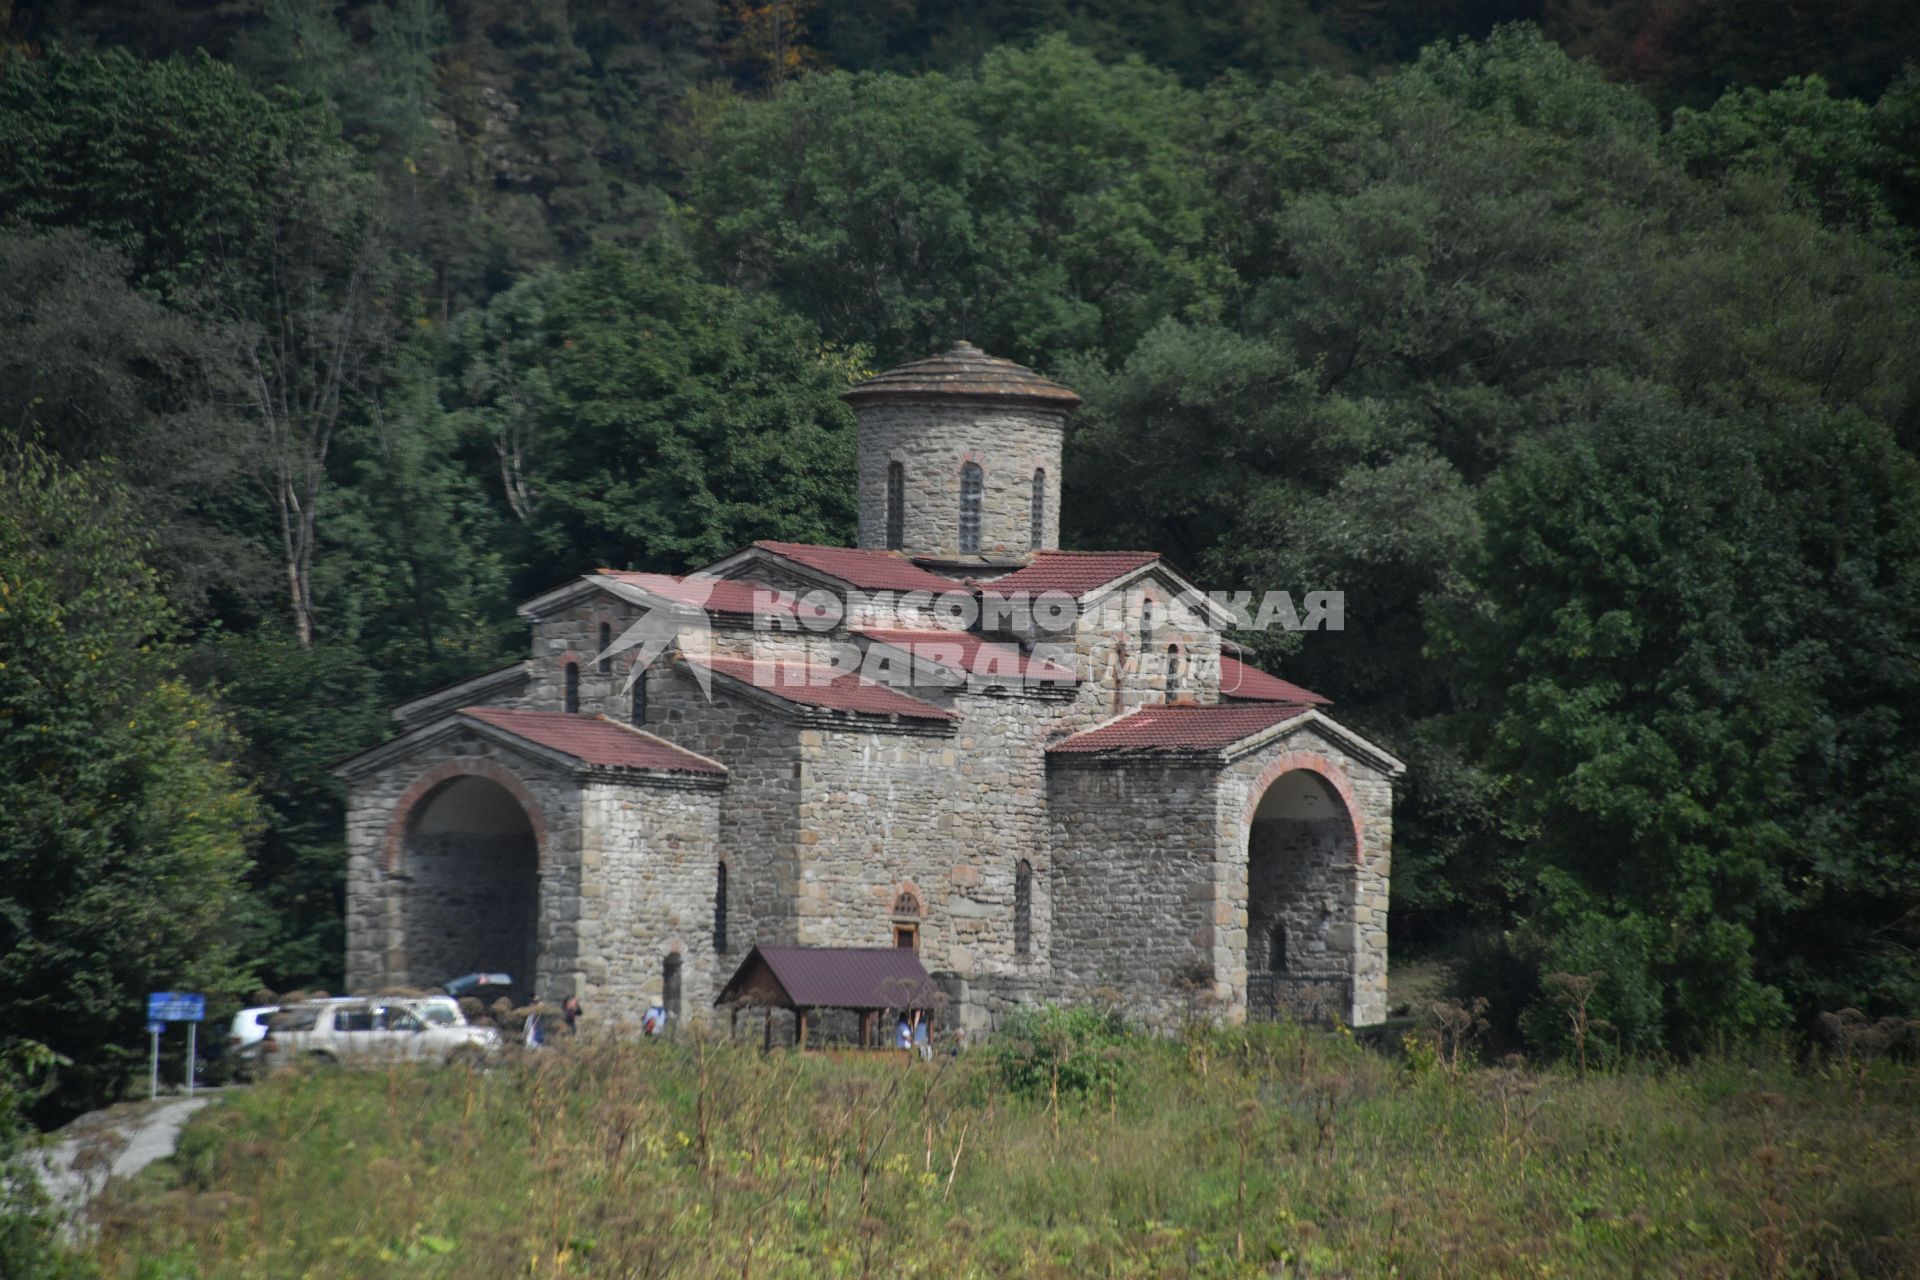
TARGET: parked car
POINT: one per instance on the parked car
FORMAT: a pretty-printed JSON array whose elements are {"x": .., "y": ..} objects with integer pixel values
[
  {"x": 441, "y": 1011},
  {"x": 244, "y": 1034},
  {"x": 376, "y": 1031},
  {"x": 484, "y": 987}
]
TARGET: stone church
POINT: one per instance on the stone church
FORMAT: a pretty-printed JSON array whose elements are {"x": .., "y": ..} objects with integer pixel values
[{"x": 1046, "y": 770}]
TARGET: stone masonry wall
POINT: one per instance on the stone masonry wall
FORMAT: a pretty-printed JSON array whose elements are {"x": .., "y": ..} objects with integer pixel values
[
  {"x": 1297, "y": 877},
  {"x": 932, "y": 441},
  {"x": 948, "y": 817},
  {"x": 759, "y": 816},
  {"x": 649, "y": 862},
  {"x": 1124, "y": 667},
  {"x": 470, "y": 905},
  {"x": 1134, "y": 881}
]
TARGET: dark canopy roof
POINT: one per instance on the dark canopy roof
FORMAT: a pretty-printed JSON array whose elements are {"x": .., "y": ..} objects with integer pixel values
[
  {"x": 967, "y": 372},
  {"x": 832, "y": 977}
]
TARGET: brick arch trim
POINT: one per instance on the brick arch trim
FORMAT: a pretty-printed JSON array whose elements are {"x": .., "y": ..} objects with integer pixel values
[
  {"x": 1311, "y": 762},
  {"x": 446, "y": 771}
]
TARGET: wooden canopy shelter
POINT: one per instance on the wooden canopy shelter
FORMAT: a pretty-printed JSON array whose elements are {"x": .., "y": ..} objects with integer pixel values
[{"x": 866, "y": 980}]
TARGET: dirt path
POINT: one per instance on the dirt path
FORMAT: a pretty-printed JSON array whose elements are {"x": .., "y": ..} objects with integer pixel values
[{"x": 116, "y": 1143}]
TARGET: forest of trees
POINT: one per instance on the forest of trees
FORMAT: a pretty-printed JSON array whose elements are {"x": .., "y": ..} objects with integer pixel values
[{"x": 1577, "y": 341}]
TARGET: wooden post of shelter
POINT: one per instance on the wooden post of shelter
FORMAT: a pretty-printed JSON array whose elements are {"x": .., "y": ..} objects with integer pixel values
[{"x": 800, "y": 1028}]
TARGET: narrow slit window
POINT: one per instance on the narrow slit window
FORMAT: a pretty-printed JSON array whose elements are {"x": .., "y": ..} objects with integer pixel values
[
  {"x": 972, "y": 491},
  {"x": 1039, "y": 518},
  {"x": 606, "y": 643},
  {"x": 1023, "y": 908},
  {"x": 720, "y": 909},
  {"x": 896, "y": 506},
  {"x": 1277, "y": 950},
  {"x": 640, "y": 699},
  {"x": 573, "y": 686}
]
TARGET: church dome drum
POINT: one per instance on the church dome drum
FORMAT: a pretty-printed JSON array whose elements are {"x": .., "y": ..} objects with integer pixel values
[{"x": 960, "y": 457}]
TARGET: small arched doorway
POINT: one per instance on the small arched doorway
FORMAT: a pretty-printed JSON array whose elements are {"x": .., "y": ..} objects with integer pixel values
[
  {"x": 1300, "y": 861},
  {"x": 471, "y": 874}
]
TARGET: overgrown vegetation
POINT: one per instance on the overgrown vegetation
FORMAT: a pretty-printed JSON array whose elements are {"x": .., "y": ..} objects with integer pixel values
[
  {"x": 1266, "y": 1151},
  {"x": 1580, "y": 357}
]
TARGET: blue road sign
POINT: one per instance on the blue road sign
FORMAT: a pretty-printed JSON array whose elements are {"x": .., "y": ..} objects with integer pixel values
[{"x": 176, "y": 1006}]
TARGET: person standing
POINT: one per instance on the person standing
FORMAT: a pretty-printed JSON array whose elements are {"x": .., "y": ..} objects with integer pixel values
[{"x": 532, "y": 1035}]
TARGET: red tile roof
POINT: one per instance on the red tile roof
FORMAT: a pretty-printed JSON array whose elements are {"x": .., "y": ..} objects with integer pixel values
[
  {"x": 974, "y": 655},
  {"x": 594, "y": 739},
  {"x": 715, "y": 595},
  {"x": 841, "y": 977},
  {"x": 1074, "y": 572},
  {"x": 817, "y": 687},
  {"x": 1180, "y": 727},
  {"x": 867, "y": 569},
  {"x": 1238, "y": 680},
  {"x": 967, "y": 371}
]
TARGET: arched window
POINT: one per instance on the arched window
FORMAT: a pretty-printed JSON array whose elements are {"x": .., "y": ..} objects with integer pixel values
[
  {"x": 896, "y": 506},
  {"x": 1023, "y": 908},
  {"x": 573, "y": 686},
  {"x": 670, "y": 988},
  {"x": 720, "y": 908},
  {"x": 1277, "y": 949},
  {"x": 906, "y": 922},
  {"x": 972, "y": 485},
  {"x": 1039, "y": 520},
  {"x": 606, "y": 643},
  {"x": 1176, "y": 671},
  {"x": 640, "y": 699}
]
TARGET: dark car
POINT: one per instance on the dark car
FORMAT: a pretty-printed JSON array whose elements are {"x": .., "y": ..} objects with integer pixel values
[{"x": 484, "y": 987}]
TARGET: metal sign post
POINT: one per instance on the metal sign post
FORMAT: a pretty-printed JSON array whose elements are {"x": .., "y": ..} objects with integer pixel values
[
  {"x": 153, "y": 1072},
  {"x": 174, "y": 1006}
]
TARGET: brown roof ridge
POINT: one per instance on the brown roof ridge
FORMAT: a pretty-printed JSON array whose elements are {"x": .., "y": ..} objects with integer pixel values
[
  {"x": 651, "y": 736},
  {"x": 1082, "y": 551},
  {"x": 1251, "y": 684},
  {"x": 848, "y": 691},
  {"x": 775, "y": 544},
  {"x": 1179, "y": 726},
  {"x": 590, "y": 739}
]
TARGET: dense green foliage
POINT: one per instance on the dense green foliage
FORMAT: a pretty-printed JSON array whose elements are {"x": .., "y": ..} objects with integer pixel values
[
  {"x": 1045, "y": 205},
  {"x": 126, "y": 826},
  {"x": 1694, "y": 653},
  {"x": 388, "y": 312},
  {"x": 1230, "y": 1154},
  {"x": 1049, "y": 1052},
  {"x": 640, "y": 416}
]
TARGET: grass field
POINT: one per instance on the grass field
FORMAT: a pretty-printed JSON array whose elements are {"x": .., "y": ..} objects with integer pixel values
[{"x": 1270, "y": 1152}]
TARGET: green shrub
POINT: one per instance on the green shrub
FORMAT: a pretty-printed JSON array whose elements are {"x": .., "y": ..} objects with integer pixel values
[{"x": 1050, "y": 1052}]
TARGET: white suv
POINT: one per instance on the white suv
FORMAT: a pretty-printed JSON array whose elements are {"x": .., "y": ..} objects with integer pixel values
[{"x": 376, "y": 1030}]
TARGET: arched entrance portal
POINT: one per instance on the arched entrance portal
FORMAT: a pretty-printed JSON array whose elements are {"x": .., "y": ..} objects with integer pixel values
[
  {"x": 1300, "y": 862},
  {"x": 471, "y": 869}
]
